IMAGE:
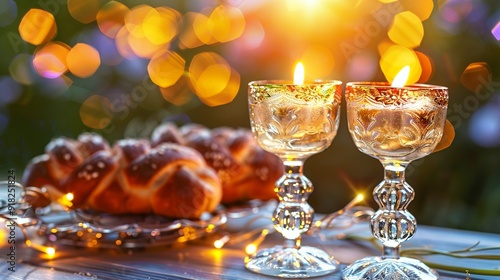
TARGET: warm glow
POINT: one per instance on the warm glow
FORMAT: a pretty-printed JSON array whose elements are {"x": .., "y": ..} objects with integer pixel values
[
  {"x": 50, "y": 251},
  {"x": 298, "y": 75},
  {"x": 70, "y": 196},
  {"x": 250, "y": 249},
  {"x": 218, "y": 244},
  {"x": 319, "y": 61},
  {"x": 360, "y": 197},
  {"x": 402, "y": 77},
  {"x": 395, "y": 58}
]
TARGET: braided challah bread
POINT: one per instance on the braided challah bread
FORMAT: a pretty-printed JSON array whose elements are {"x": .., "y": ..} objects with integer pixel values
[
  {"x": 169, "y": 180},
  {"x": 245, "y": 169},
  {"x": 181, "y": 172}
]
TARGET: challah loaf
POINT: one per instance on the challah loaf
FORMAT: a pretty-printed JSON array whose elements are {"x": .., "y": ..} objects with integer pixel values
[
  {"x": 169, "y": 180},
  {"x": 179, "y": 172},
  {"x": 245, "y": 169}
]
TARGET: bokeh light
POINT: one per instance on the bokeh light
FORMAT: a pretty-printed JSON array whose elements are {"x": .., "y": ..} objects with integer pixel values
[
  {"x": 53, "y": 88},
  {"x": 122, "y": 44},
  {"x": 84, "y": 11},
  {"x": 21, "y": 69},
  {"x": 37, "y": 27},
  {"x": 111, "y": 18},
  {"x": 202, "y": 29},
  {"x": 8, "y": 12},
  {"x": 212, "y": 79},
  {"x": 406, "y": 30},
  {"x": 496, "y": 31},
  {"x": 226, "y": 23},
  {"x": 83, "y": 60},
  {"x": 422, "y": 8},
  {"x": 11, "y": 90},
  {"x": 484, "y": 127},
  {"x": 179, "y": 93},
  {"x": 161, "y": 25},
  {"x": 50, "y": 61},
  {"x": 135, "y": 18},
  {"x": 476, "y": 76},
  {"x": 96, "y": 112},
  {"x": 427, "y": 67},
  {"x": 188, "y": 39},
  {"x": 454, "y": 11},
  {"x": 106, "y": 47},
  {"x": 319, "y": 62},
  {"x": 397, "y": 57},
  {"x": 166, "y": 68}
]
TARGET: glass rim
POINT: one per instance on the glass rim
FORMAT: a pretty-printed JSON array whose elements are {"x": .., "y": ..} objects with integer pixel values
[
  {"x": 387, "y": 85},
  {"x": 291, "y": 83}
]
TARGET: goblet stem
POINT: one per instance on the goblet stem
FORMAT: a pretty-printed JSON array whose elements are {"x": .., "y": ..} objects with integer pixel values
[
  {"x": 393, "y": 224},
  {"x": 293, "y": 215}
]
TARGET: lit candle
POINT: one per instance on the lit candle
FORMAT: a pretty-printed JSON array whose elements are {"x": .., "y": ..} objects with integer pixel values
[
  {"x": 306, "y": 111},
  {"x": 293, "y": 120},
  {"x": 396, "y": 124}
]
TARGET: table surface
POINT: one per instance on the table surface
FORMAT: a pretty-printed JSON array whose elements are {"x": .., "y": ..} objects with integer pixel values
[{"x": 198, "y": 259}]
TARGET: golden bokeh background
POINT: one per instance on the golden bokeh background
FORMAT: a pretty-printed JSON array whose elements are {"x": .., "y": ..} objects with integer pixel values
[{"x": 120, "y": 68}]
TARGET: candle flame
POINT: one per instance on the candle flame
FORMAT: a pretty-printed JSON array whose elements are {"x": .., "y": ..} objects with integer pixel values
[
  {"x": 298, "y": 75},
  {"x": 402, "y": 77}
]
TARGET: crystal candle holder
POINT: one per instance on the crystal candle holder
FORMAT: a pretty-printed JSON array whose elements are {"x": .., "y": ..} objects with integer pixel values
[
  {"x": 395, "y": 125},
  {"x": 293, "y": 121}
]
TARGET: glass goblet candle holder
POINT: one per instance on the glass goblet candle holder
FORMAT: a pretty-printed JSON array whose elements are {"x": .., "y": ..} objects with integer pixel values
[
  {"x": 395, "y": 125},
  {"x": 293, "y": 121}
]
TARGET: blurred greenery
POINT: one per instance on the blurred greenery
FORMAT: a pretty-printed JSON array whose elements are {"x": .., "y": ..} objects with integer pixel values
[{"x": 458, "y": 187}]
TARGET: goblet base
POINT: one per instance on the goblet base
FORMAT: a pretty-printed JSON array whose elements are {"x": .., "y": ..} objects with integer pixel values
[
  {"x": 379, "y": 268},
  {"x": 284, "y": 262}
]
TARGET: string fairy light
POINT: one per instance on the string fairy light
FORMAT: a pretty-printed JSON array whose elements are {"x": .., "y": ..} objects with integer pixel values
[
  {"x": 50, "y": 251},
  {"x": 253, "y": 243},
  {"x": 251, "y": 248}
]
